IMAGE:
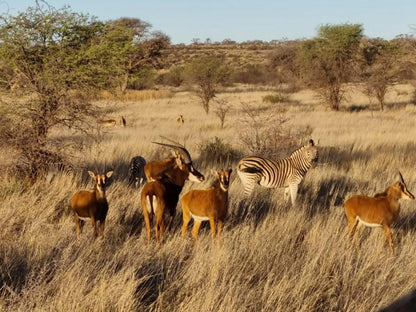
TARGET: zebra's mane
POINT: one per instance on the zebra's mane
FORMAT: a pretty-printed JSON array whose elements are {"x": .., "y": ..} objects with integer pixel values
[{"x": 297, "y": 152}]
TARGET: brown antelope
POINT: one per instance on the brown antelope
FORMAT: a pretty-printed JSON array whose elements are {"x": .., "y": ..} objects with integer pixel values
[
  {"x": 381, "y": 210},
  {"x": 107, "y": 123},
  {"x": 91, "y": 205},
  {"x": 180, "y": 120},
  {"x": 207, "y": 205},
  {"x": 123, "y": 121},
  {"x": 162, "y": 195}
]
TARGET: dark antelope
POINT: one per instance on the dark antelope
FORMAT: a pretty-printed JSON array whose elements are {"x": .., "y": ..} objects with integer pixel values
[
  {"x": 161, "y": 195},
  {"x": 91, "y": 205},
  {"x": 156, "y": 169}
]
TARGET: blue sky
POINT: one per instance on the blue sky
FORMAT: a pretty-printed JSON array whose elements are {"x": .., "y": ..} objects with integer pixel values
[{"x": 243, "y": 20}]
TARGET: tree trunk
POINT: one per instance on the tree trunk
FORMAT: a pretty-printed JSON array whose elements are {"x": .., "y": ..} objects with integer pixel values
[{"x": 123, "y": 85}]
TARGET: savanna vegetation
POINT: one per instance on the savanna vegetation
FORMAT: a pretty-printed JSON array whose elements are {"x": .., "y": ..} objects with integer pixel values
[{"x": 353, "y": 95}]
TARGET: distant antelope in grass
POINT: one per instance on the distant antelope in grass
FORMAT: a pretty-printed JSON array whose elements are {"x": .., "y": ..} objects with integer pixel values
[
  {"x": 207, "y": 205},
  {"x": 382, "y": 210},
  {"x": 107, "y": 123},
  {"x": 180, "y": 120},
  {"x": 123, "y": 121},
  {"x": 162, "y": 194},
  {"x": 91, "y": 205}
]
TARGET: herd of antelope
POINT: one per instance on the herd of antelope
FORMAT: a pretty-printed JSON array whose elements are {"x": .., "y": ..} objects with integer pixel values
[{"x": 162, "y": 181}]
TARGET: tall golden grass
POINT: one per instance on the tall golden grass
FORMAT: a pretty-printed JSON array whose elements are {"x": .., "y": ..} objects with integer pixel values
[
  {"x": 135, "y": 95},
  {"x": 271, "y": 257}
]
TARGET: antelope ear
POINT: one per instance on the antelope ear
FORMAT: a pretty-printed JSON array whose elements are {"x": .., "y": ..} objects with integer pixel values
[
  {"x": 214, "y": 172},
  {"x": 92, "y": 175},
  {"x": 179, "y": 160},
  {"x": 109, "y": 174},
  {"x": 230, "y": 170},
  {"x": 311, "y": 142}
]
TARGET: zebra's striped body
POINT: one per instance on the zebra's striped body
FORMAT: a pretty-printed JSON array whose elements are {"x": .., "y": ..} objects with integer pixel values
[
  {"x": 136, "y": 171},
  {"x": 287, "y": 172}
]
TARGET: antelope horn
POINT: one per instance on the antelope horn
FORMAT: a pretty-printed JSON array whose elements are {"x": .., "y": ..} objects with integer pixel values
[
  {"x": 188, "y": 158},
  {"x": 171, "y": 141},
  {"x": 401, "y": 177}
]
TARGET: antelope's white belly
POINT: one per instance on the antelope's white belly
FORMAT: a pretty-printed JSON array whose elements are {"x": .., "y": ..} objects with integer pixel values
[
  {"x": 198, "y": 218},
  {"x": 369, "y": 224},
  {"x": 83, "y": 218}
]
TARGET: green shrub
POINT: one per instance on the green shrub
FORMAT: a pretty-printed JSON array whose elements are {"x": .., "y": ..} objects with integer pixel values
[{"x": 216, "y": 151}]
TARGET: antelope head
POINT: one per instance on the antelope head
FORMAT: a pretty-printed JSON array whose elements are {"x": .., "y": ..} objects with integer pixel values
[{"x": 184, "y": 161}]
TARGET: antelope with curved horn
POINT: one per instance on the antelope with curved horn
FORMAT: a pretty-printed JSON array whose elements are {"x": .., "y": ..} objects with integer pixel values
[
  {"x": 382, "y": 210},
  {"x": 91, "y": 205},
  {"x": 154, "y": 170},
  {"x": 162, "y": 195},
  {"x": 207, "y": 205}
]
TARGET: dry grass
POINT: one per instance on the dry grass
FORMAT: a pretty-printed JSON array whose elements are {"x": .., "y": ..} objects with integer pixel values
[
  {"x": 135, "y": 95},
  {"x": 272, "y": 257}
]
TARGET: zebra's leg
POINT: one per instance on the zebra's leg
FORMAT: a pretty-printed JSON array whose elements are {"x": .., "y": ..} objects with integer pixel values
[
  {"x": 286, "y": 197},
  {"x": 293, "y": 192},
  {"x": 248, "y": 182},
  {"x": 249, "y": 185}
]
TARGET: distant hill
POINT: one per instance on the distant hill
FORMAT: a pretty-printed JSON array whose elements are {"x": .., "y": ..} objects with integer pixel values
[{"x": 238, "y": 55}]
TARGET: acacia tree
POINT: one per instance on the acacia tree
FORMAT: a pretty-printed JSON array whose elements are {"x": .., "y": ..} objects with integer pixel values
[
  {"x": 380, "y": 66},
  {"x": 328, "y": 60},
  {"x": 206, "y": 72},
  {"x": 282, "y": 63},
  {"x": 50, "y": 54},
  {"x": 132, "y": 47}
]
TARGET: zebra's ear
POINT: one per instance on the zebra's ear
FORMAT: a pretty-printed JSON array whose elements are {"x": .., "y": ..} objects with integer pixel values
[{"x": 311, "y": 143}]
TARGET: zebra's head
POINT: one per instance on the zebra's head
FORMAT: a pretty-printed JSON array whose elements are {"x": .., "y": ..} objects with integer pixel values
[{"x": 311, "y": 152}]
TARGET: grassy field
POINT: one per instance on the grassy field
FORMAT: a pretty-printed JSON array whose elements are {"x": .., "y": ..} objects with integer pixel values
[{"x": 271, "y": 257}]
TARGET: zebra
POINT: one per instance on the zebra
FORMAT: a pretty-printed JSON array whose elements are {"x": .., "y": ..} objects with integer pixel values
[
  {"x": 287, "y": 172},
  {"x": 136, "y": 171}
]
